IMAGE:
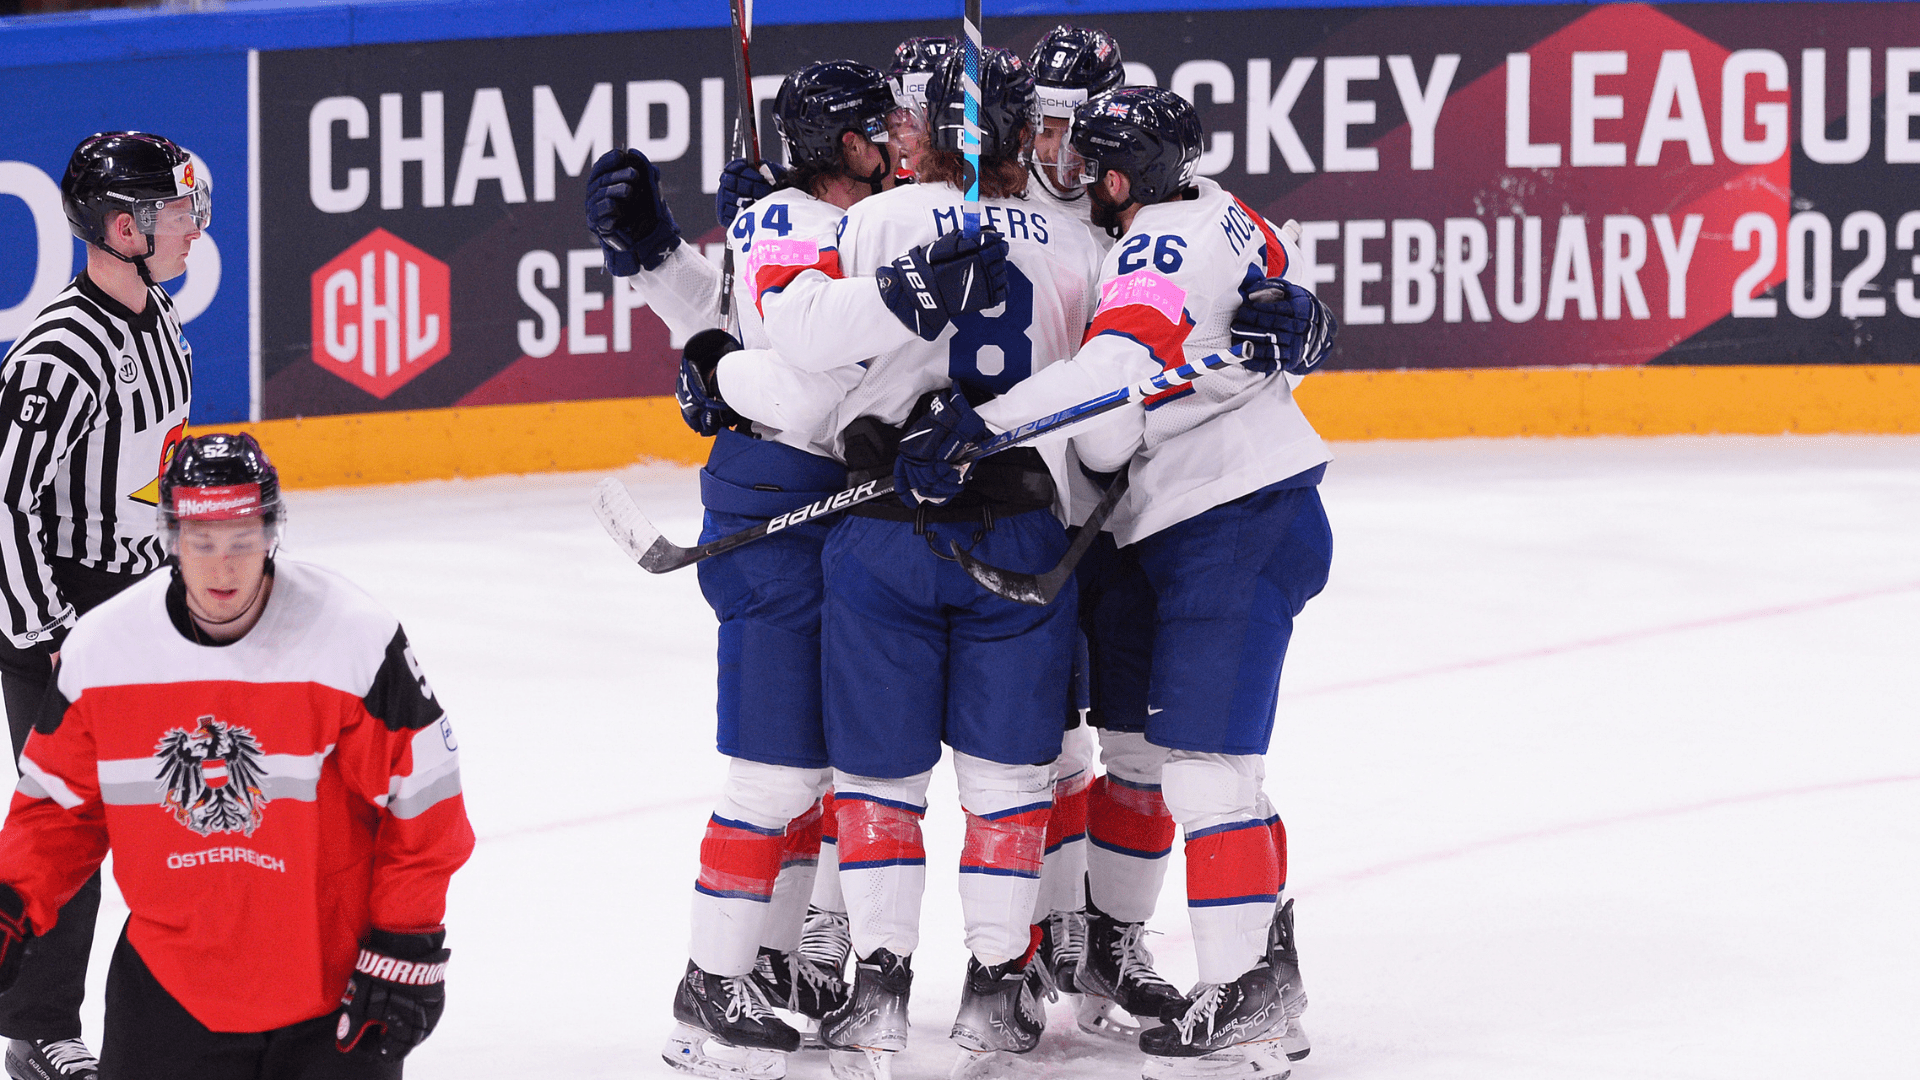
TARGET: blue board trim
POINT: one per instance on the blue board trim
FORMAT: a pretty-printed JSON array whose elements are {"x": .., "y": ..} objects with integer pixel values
[{"x": 125, "y": 34}]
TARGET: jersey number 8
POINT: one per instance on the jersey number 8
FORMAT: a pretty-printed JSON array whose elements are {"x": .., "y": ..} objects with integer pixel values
[{"x": 992, "y": 351}]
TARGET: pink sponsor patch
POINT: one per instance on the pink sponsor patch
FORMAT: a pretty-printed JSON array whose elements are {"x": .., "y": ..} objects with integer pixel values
[
  {"x": 781, "y": 253},
  {"x": 1147, "y": 288}
]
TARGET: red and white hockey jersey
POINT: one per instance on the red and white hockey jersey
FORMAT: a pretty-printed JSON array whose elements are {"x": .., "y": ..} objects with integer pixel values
[
  {"x": 266, "y": 801},
  {"x": 1168, "y": 292}
]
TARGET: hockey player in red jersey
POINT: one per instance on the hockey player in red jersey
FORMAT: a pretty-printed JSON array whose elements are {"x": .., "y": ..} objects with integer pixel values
[
  {"x": 253, "y": 740},
  {"x": 1220, "y": 541}
]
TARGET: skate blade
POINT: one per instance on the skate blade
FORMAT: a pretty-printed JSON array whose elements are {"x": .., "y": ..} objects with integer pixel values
[
  {"x": 691, "y": 1050},
  {"x": 861, "y": 1064},
  {"x": 1101, "y": 1016},
  {"x": 1235, "y": 1063},
  {"x": 1293, "y": 1042},
  {"x": 809, "y": 1030},
  {"x": 978, "y": 1065}
]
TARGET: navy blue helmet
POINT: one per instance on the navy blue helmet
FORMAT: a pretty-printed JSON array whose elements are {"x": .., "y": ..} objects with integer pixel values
[
  {"x": 921, "y": 54},
  {"x": 1007, "y": 102},
  {"x": 913, "y": 63},
  {"x": 821, "y": 102},
  {"x": 1148, "y": 134},
  {"x": 1071, "y": 64}
]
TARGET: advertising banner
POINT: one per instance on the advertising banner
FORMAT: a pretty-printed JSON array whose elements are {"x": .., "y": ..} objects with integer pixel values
[
  {"x": 200, "y": 103},
  {"x": 1610, "y": 185}
]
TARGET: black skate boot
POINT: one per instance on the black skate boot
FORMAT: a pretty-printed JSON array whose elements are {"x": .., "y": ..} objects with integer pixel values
[
  {"x": 794, "y": 982},
  {"x": 870, "y": 1026},
  {"x": 1284, "y": 957},
  {"x": 826, "y": 938},
  {"x": 1000, "y": 1012},
  {"x": 1116, "y": 972},
  {"x": 727, "y": 1030},
  {"x": 51, "y": 1059},
  {"x": 1224, "y": 1029},
  {"x": 1063, "y": 937}
]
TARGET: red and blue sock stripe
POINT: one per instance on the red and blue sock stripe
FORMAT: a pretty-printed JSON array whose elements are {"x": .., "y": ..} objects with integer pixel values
[
  {"x": 1129, "y": 818},
  {"x": 1232, "y": 864}
]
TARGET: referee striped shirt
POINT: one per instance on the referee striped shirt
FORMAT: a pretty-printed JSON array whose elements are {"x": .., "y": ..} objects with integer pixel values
[{"x": 93, "y": 397}]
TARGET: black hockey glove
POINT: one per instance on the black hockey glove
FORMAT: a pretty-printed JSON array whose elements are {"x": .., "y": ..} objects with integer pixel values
[
  {"x": 951, "y": 276},
  {"x": 14, "y": 935},
  {"x": 1281, "y": 325},
  {"x": 399, "y": 987},
  {"x": 627, "y": 215},
  {"x": 927, "y": 470},
  {"x": 741, "y": 183},
  {"x": 697, "y": 391}
]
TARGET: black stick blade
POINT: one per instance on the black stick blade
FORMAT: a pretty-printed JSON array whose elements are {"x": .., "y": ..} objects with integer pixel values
[{"x": 1037, "y": 590}]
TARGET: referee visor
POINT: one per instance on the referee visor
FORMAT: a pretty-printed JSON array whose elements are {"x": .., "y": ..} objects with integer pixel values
[{"x": 183, "y": 215}]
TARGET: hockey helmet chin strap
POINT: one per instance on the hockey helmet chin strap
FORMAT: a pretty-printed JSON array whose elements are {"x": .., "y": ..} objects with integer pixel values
[
  {"x": 139, "y": 261},
  {"x": 887, "y": 167}
]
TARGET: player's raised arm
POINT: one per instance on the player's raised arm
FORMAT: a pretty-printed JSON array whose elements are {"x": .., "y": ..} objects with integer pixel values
[{"x": 628, "y": 215}]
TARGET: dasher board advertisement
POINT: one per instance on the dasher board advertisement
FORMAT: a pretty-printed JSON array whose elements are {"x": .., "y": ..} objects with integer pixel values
[{"x": 1510, "y": 186}]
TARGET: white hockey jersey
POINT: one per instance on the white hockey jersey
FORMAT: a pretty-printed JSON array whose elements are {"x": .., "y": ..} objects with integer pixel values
[
  {"x": 1169, "y": 289},
  {"x": 1079, "y": 207},
  {"x": 787, "y": 236},
  {"x": 1052, "y": 268}
]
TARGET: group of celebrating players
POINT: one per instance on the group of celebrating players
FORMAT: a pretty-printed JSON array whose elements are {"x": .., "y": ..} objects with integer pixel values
[{"x": 879, "y": 340}]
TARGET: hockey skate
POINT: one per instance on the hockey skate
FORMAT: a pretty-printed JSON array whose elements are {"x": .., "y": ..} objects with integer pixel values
[
  {"x": 1063, "y": 937},
  {"x": 727, "y": 1030},
  {"x": 51, "y": 1059},
  {"x": 1284, "y": 957},
  {"x": 826, "y": 939},
  {"x": 1123, "y": 995},
  {"x": 795, "y": 983},
  {"x": 1225, "y": 1030},
  {"x": 1000, "y": 1013},
  {"x": 870, "y": 1026}
]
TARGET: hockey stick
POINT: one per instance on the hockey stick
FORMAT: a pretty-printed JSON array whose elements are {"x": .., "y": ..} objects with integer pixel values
[
  {"x": 748, "y": 134},
  {"x": 970, "y": 135},
  {"x": 645, "y": 545},
  {"x": 1040, "y": 589}
]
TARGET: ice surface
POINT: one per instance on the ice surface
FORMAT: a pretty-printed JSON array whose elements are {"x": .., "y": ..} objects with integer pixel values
[{"x": 1600, "y": 758}]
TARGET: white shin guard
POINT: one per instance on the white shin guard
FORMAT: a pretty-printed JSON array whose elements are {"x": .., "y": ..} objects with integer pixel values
[
  {"x": 732, "y": 903},
  {"x": 1007, "y": 808},
  {"x": 1218, "y": 797},
  {"x": 883, "y": 862},
  {"x": 1124, "y": 877}
]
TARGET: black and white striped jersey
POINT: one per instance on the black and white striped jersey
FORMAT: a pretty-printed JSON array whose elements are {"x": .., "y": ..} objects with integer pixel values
[{"x": 92, "y": 399}]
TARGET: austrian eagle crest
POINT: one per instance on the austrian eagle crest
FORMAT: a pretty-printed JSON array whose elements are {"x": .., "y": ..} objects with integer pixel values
[{"x": 214, "y": 775}]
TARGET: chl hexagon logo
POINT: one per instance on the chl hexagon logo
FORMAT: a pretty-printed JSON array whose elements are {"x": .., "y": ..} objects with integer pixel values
[{"x": 382, "y": 313}]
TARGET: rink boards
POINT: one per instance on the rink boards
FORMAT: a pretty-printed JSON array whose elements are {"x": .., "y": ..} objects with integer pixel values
[{"x": 1530, "y": 219}]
